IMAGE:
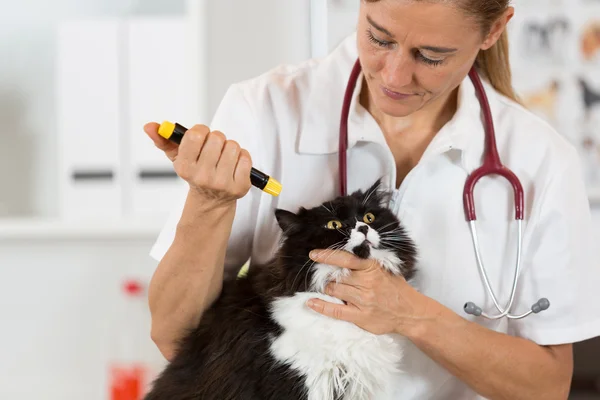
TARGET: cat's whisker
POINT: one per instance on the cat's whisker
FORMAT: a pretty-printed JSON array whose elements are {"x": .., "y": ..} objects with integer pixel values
[
  {"x": 368, "y": 196},
  {"x": 398, "y": 235},
  {"x": 395, "y": 235},
  {"x": 300, "y": 271},
  {"x": 387, "y": 225},
  {"x": 329, "y": 210},
  {"x": 333, "y": 247},
  {"x": 396, "y": 229},
  {"x": 326, "y": 256},
  {"x": 391, "y": 246},
  {"x": 342, "y": 232},
  {"x": 340, "y": 243},
  {"x": 397, "y": 246},
  {"x": 337, "y": 246},
  {"x": 393, "y": 238}
]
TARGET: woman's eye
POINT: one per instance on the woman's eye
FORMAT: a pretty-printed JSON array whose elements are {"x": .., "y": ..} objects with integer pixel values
[
  {"x": 368, "y": 218},
  {"x": 428, "y": 61},
  {"x": 334, "y": 224},
  {"x": 376, "y": 41}
]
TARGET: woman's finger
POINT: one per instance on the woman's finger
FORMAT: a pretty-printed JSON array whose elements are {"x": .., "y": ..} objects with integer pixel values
[
  {"x": 338, "y": 311},
  {"x": 192, "y": 144},
  {"x": 168, "y": 147},
  {"x": 228, "y": 160},
  {"x": 344, "y": 292},
  {"x": 211, "y": 152},
  {"x": 241, "y": 176},
  {"x": 342, "y": 259}
]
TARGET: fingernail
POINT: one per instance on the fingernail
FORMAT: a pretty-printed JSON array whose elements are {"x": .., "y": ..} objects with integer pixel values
[
  {"x": 310, "y": 303},
  {"x": 314, "y": 254}
]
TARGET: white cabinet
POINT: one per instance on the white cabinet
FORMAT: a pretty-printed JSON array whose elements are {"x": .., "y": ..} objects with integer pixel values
[{"x": 113, "y": 76}]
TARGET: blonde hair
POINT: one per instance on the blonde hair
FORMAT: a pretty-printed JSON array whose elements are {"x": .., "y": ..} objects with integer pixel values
[{"x": 493, "y": 63}]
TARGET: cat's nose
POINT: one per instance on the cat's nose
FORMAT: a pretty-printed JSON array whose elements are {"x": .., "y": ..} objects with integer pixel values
[{"x": 363, "y": 229}]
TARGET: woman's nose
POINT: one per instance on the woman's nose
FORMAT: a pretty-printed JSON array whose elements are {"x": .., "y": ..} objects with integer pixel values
[{"x": 398, "y": 70}]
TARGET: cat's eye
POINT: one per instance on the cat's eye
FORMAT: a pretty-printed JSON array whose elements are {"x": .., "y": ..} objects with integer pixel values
[
  {"x": 369, "y": 218},
  {"x": 334, "y": 224}
]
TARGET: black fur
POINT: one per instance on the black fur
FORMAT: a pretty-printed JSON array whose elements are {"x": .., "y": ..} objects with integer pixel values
[
  {"x": 227, "y": 355},
  {"x": 590, "y": 96}
]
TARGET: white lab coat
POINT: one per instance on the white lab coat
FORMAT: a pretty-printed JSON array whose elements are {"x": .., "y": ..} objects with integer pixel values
[{"x": 288, "y": 119}]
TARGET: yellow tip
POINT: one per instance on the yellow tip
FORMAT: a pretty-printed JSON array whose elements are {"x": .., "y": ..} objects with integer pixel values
[
  {"x": 273, "y": 187},
  {"x": 166, "y": 129},
  {"x": 243, "y": 272}
]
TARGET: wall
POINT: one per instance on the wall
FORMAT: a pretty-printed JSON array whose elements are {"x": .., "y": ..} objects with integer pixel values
[
  {"x": 60, "y": 307},
  {"x": 248, "y": 37}
]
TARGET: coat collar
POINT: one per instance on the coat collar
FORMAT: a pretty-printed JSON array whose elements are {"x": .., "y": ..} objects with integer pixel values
[{"x": 321, "y": 118}]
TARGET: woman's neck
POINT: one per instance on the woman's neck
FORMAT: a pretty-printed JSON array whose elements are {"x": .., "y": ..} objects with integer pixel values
[{"x": 408, "y": 137}]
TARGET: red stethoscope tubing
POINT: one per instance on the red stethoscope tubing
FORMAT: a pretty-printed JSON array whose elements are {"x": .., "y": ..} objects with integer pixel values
[{"x": 491, "y": 161}]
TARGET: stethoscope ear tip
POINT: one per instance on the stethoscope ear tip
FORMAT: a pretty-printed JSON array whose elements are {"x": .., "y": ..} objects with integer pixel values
[
  {"x": 471, "y": 308},
  {"x": 541, "y": 305}
]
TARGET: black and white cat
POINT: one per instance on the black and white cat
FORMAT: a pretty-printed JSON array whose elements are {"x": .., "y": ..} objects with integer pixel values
[{"x": 259, "y": 341}]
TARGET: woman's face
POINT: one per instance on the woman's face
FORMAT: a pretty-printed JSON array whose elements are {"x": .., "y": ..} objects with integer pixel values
[{"x": 413, "y": 53}]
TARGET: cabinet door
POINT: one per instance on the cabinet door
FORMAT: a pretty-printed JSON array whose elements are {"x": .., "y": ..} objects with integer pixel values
[{"x": 89, "y": 117}]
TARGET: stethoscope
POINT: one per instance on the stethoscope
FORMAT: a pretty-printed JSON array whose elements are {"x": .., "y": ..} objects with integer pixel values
[{"x": 491, "y": 165}]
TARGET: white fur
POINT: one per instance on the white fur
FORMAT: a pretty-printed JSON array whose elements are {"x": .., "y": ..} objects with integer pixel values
[
  {"x": 335, "y": 355},
  {"x": 332, "y": 354},
  {"x": 388, "y": 259},
  {"x": 324, "y": 273}
]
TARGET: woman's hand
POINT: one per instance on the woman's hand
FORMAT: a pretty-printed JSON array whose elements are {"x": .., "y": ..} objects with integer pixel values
[
  {"x": 377, "y": 301},
  {"x": 168, "y": 147},
  {"x": 217, "y": 169}
]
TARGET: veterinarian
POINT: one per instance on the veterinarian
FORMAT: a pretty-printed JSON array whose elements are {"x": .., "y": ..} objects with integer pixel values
[{"x": 414, "y": 119}]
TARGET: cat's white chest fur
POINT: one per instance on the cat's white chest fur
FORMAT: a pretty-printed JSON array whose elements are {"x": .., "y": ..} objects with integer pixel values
[{"x": 333, "y": 354}]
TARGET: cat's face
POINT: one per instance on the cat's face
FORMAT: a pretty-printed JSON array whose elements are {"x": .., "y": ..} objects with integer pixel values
[{"x": 359, "y": 223}]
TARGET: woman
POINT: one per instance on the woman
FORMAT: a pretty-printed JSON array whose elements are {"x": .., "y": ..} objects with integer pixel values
[{"x": 416, "y": 121}]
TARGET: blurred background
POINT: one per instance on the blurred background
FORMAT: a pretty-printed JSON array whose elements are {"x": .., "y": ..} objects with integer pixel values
[{"x": 85, "y": 193}]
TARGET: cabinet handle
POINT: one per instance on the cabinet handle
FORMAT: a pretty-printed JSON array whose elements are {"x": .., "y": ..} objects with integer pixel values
[
  {"x": 157, "y": 174},
  {"x": 100, "y": 175}
]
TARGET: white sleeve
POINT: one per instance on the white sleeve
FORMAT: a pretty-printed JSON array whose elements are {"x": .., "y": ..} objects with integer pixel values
[
  {"x": 236, "y": 120},
  {"x": 559, "y": 264}
]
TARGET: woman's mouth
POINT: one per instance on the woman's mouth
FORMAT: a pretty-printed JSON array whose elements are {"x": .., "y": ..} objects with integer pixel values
[{"x": 395, "y": 95}]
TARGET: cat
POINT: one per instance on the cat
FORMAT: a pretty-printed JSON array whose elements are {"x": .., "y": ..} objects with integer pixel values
[
  {"x": 544, "y": 100},
  {"x": 544, "y": 37},
  {"x": 590, "y": 96},
  {"x": 590, "y": 40},
  {"x": 259, "y": 340}
]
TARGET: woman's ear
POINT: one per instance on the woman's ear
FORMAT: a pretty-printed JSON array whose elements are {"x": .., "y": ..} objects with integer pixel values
[{"x": 498, "y": 28}]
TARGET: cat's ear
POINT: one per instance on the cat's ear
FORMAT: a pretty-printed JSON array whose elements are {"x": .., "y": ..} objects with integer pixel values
[
  {"x": 288, "y": 221},
  {"x": 377, "y": 195}
]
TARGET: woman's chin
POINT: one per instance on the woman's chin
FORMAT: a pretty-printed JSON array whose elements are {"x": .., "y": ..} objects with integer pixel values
[{"x": 395, "y": 108}]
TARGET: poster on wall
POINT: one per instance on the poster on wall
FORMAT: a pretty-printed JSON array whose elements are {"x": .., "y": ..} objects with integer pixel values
[{"x": 555, "y": 58}]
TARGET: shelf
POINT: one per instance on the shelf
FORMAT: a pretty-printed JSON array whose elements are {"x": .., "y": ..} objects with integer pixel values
[{"x": 56, "y": 229}]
